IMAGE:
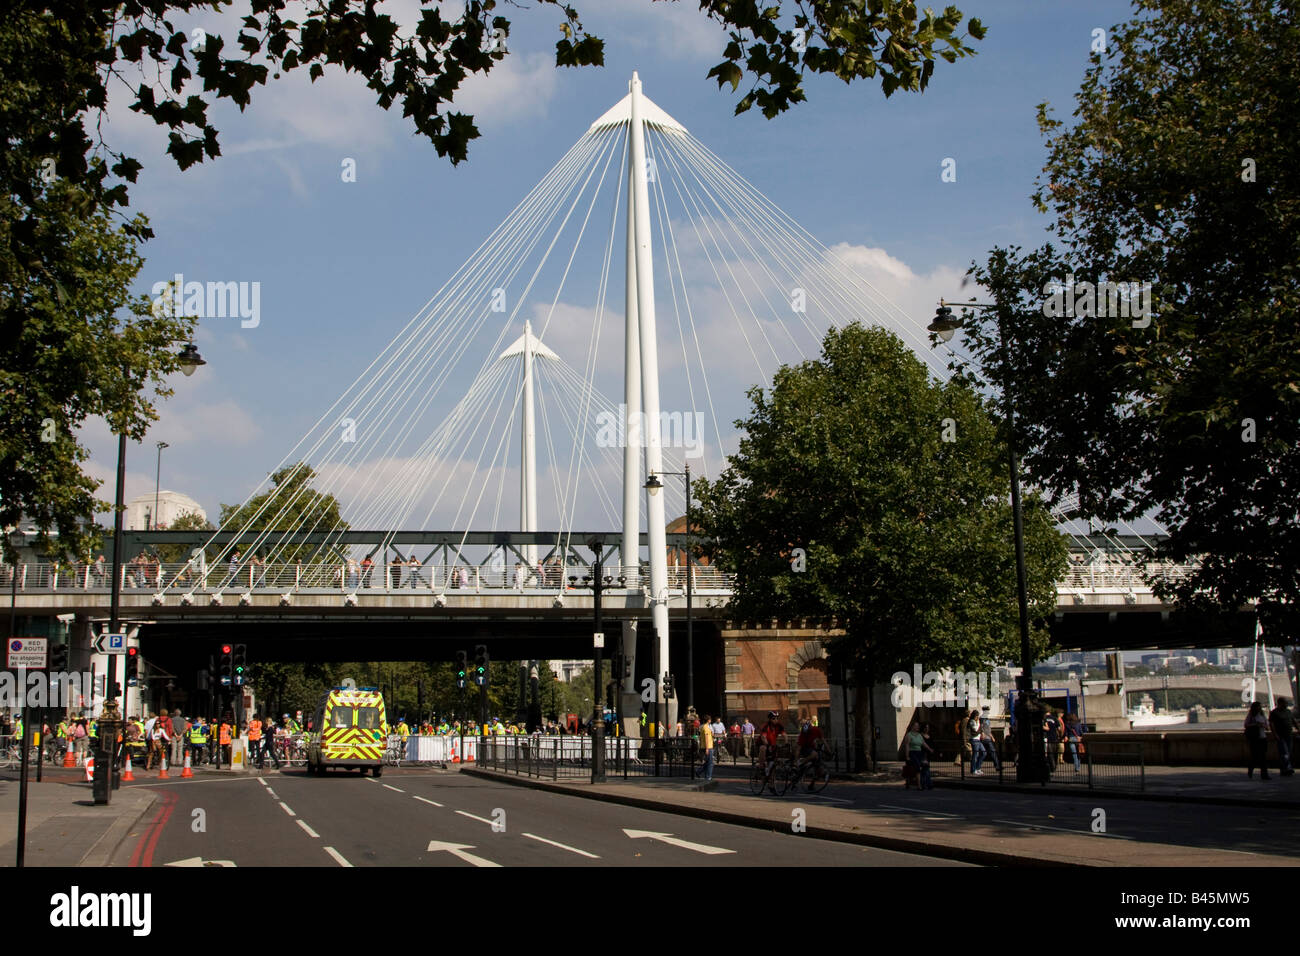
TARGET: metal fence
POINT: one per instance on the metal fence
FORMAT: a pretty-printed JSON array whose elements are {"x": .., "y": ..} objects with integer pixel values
[
  {"x": 569, "y": 757},
  {"x": 1093, "y": 763}
]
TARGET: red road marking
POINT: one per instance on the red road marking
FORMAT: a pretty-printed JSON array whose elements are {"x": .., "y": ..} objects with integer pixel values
[{"x": 143, "y": 855}]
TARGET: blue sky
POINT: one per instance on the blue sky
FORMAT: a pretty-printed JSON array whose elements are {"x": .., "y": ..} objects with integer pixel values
[{"x": 343, "y": 266}]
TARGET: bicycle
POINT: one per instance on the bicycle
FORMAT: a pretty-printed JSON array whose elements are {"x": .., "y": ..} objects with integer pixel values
[
  {"x": 759, "y": 780},
  {"x": 394, "y": 752},
  {"x": 818, "y": 774}
]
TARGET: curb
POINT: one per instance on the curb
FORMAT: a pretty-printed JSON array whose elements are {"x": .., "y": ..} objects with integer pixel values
[
  {"x": 103, "y": 849},
  {"x": 1120, "y": 794},
  {"x": 897, "y": 844}
]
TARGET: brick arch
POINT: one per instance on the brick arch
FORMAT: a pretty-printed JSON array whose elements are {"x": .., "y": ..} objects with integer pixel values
[{"x": 811, "y": 654}]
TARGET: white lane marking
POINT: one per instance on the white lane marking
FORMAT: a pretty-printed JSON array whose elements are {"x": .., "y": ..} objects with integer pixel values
[
  {"x": 285, "y": 807},
  {"x": 1042, "y": 826},
  {"x": 372, "y": 779},
  {"x": 571, "y": 849},
  {"x": 272, "y": 793},
  {"x": 262, "y": 782},
  {"x": 338, "y": 857},
  {"x": 426, "y": 800},
  {"x": 310, "y": 832},
  {"x": 458, "y": 850},
  {"x": 933, "y": 813},
  {"x": 398, "y": 789},
  {"x": 472, "y": 817},
  {"x": 676, "y": 841}
]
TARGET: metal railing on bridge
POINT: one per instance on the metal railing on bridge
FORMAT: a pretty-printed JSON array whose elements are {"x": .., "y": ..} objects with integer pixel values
[{"x": 341, "y": 577}]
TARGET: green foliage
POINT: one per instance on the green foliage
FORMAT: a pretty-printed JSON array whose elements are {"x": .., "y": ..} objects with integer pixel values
[
  {"x": 189, "y": 521},
  {"x": 290, "y": 504},
  {"x": 1174, "y": 174},
  {"x": 907, "y": 537}
]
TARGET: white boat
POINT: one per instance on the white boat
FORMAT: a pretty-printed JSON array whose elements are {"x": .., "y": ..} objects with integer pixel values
[{"x": 1144, "y": 715}]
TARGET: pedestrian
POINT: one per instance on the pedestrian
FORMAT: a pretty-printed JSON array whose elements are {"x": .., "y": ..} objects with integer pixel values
[
  {"x": 1256, "y": 728},
  {"x": 413, "y": 569},
  {"x": 927, "y": 783},
  {"x": 1051, "y": 737},
  {"x": 916, "y": 748},
  {"x": 976, "y": 745},
  {"x": 464, "y": 576},
  {"x": 989, "y": 742},
  {"x": 354, "y": 574},
  {"x": 1282, "y": 723},
  {"x": 1074, "y": 738},
  {"x": 395, "y": 572},
  {"x": 180, "y": 733},
  {"x": 706, "y": 741},
  {"x": 255, "y": 740},
  {"x": 747, "y": 731},
  {"x": 367, "y": 569},
  {"x": 268, "y": 744},
  {"x": 101, "y": 574}
]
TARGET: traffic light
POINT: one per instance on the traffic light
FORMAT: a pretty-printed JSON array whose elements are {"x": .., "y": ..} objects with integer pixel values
[
  {"x": 462, "y": 666},
  {"x": 132, "y": 666},
  {"x": 239, "y": 664},
  {"x": 481, "y": 665},
  {"x": 59, "y": 657},
  {"x": 668, "y": 687},
  {"x": 226, "y": 665}
]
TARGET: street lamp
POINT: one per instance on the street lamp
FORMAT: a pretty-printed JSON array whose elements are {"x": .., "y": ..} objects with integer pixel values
[
  {"x": 1031, "y": 766},
  {"x": 653, "y": 485},
  {"x": 156, "y": 479},
  {"x": 16, "y": 540},
  {"x": 190, "y": 360},
  {"x": 597, "y": 582}
]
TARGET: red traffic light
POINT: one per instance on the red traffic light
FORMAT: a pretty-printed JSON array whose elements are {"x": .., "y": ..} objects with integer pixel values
[
  {"x": 132, "y": 651},
  {"x": 225, "y": 648}
]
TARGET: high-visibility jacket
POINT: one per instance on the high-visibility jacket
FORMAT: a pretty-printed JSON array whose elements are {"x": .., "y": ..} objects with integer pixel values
[
  {"x": 223, "y": 735},
  {"x": 404, "y": 730},
  {"x": 255, "y": 731},
  {"x": 63, "y": 729},
  {"x": 198, "y": 734}
]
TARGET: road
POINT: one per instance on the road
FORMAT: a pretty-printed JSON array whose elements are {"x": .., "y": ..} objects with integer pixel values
[{"x": 424, "y": 817}]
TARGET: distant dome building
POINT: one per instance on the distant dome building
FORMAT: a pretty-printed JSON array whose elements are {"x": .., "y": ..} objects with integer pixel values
[{"x": 171, "y": 505}]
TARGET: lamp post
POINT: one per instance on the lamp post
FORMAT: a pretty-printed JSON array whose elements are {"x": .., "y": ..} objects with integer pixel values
[
  {"x": 190, "y": 360},
  {"x": 156, "y": 484},
  {"x": 653, "y": 485},
  {"x": 1030, "y": 765},
  {"x": 16, "y": 540},
  {"x": 597, "y": 581}
]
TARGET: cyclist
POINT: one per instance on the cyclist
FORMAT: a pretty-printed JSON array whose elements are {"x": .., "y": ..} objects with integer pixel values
[
  {"x": 768, "y": 736},
  {"x": 809, "y": 744}
]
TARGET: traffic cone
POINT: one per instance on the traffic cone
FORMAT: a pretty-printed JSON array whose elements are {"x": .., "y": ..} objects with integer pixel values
[
  {"x": 186, "y": 771},
  {"x": 128, "y": 775},
  {"x": 69, "y": 758},
  {"x": 90, "y": 769},
  {"x": 163, "y": 774}
]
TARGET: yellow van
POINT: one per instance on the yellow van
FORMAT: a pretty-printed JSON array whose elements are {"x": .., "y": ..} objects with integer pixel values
[{"x": 349, "y": 730}]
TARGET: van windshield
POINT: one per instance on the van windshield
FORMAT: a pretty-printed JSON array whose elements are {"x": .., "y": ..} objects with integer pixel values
[
  {"x": 368, "y": 718},
  {"x": 341, "y": 717}
]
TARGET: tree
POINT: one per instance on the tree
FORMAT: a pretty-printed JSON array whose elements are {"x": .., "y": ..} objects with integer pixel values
[
  {"x": 1174, "y": 176},
  {"x": 189, "y": 521},
  {"x": 290, "y": 505},
  {"x": 865, "y": 491}
]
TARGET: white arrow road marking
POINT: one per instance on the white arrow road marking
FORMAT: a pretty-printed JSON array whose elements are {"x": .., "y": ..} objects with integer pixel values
[
  {"x": 199, "y": 861},
  {"x": 310, "y": 832},
  {"x": 479, "y": 819},
  {"x": 1041, "y": 826},
  {"x": 571, "y": 849},
  {"x": 669, "y": 838},
  {"x": 425, "y": 800},
  {"x": 285, "y": 807},
  {"x": 395, "y": 788},
  {"x": 338, "y": 857},
  {"x": 458, "y": 850}
]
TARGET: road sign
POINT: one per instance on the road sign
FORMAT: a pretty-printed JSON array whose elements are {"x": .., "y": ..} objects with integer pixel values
[
  {"x": 27, "y": 652},
  {"x": 111, "y": 644},
  {"x": 598, "y": 639}
]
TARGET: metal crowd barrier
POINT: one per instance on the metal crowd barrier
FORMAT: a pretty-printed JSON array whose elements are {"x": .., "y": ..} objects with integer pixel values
[{"x": 1092, "y": 762}]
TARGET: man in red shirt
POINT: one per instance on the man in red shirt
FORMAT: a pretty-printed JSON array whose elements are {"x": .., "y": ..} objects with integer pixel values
[{"x": 767, "y": 738}]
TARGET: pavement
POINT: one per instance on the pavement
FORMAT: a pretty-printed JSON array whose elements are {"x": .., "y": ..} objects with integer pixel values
[
  {"x": 874, "y": 810},
  {"x": 64, "y": 827}
]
